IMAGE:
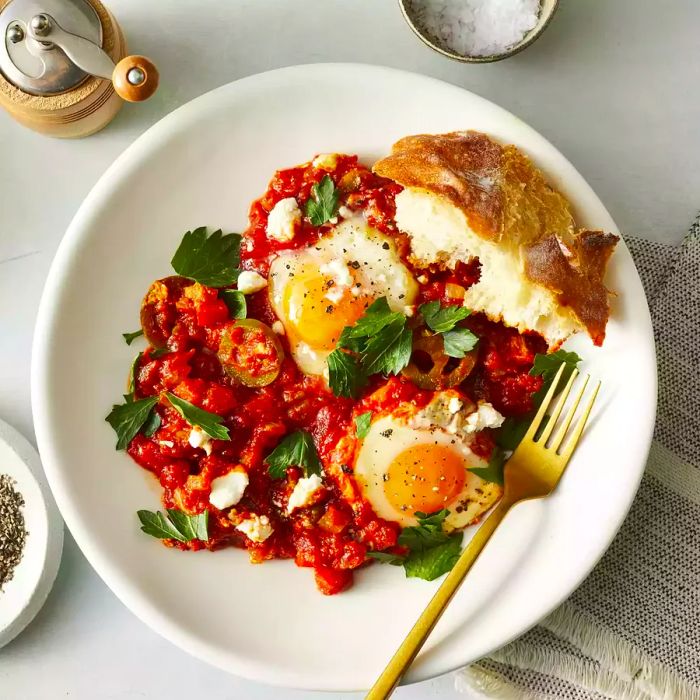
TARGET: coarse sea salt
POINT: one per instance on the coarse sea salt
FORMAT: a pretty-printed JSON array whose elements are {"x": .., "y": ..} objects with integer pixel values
[{"x": 476, "y": 27}]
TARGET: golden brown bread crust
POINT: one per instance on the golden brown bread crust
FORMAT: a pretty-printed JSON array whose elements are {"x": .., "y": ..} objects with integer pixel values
[
  {"x": 576, "y": 278},
  {"x": 507, "y": 200}
]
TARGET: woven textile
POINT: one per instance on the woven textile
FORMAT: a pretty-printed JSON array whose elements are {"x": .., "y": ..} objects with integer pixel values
[{"x": 632, "y": 629}]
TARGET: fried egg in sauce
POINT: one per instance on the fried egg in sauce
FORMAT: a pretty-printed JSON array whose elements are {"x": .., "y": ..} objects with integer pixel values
[
  {"x": 318, "y": 290},
  {"x": 419, "y": 460}
]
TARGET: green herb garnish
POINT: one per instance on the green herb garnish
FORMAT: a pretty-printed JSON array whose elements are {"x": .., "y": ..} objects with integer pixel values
[
  {"x": 236, "y": 303},
  {"x": 296, "y": 450},
  {"x": 362, "y": 423},
  {"x": 379, "y": 342},
  {"x": 175, "y": 526},
  {"x": 210, "y": 423},
  {"x": 322, "y": 206},
  {"x": 457, "y": 341},
  {"x": 442, "y": 319},
  {"x": 210, "y": 260},
  {"x": 345, "y": 375},
  {"x": 432, "y": 552},
  {"x": 130, "y": 337},
  {"x": 127, "y": 419}
]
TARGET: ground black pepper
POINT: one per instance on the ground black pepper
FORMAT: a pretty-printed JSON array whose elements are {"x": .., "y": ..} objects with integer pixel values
[{"x": 12, "y": 530}]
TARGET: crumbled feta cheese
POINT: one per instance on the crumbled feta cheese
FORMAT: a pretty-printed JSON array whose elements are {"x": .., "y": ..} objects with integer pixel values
[
  {"x": 337, "y": 271},
  {"x": 344, "y": 212},
  {"x": 454, "y": 405},
  {"x": 325, "y": 161},
  {"x": 166, "y": 443},
  {"x": 250, "y": 281},
  {"x": 278, "y": 328},
  {"x": 283, "y": 220},
  {"x": 198, "y": 438},
  {"x": 257, "y": 528},
  {"x": 447, "y": 411},
  {"x": 485, "y": 416},
  {"x": 228, "y": 489},
  {"x": 305, "y": 488}
]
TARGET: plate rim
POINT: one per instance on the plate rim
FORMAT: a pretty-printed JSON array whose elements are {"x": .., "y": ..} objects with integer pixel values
[{"x": 100, "y": 562}]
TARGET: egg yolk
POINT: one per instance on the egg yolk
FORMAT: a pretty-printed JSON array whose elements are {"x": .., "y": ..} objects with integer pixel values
[
  {"x": 424, "y": 478},
  {"x": 316, "y": 319}
]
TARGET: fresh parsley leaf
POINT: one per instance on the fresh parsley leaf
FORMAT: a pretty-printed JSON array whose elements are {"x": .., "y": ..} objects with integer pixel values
[
  {"x": 441, "y": 320},
  {"x": 296, "y": 450},
  {"x": 235, "y": 300},
  {"x": 432, "y": 551},
  {"x": 345, "y": 375},
  {"x": 210, "y": 260},
  {"x": 176, "y": 526},
  {"x": 547, "y": 366},
  {"x": 193, "y": 527},
  {"x": 428, "y": 533},
  {"x": 458, "y": 342},
  {"x": 130, "y": 337},
  {"x": 387, "y": 558},
  {"x": 494, "y": 471},
  {"x": 132, "y": 373},
  {"x": 210, "y": 423},
  {"x": 151, "y": 425},
  {"x": 377, "y": 316},
  {"x": 362, "y": 423},
  {"x": 382, "y": 341},
  {"x": 512, "y": 432},
  {"x": 127, "y": 418},
  {"x": 389, "y": 351},
  {"x": 432, "y": 563},
  {"x": 323, "y": 203}
]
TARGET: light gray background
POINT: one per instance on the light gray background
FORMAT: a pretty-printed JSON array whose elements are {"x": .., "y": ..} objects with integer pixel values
[{"x": 613, "y": 83}]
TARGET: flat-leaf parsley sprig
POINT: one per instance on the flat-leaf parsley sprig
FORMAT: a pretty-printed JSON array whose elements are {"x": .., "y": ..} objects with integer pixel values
[
  {"x": 322, "y": 206},
  {"x": 210, "y": 260},
  {"x": 457, "y": 340},
  {"x": 378, "y": 343},
  {"x": 431, "y": 551},
  {"x": 295, "y": 450}
]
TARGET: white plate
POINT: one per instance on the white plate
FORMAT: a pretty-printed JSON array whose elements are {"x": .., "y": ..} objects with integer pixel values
[
  {"x": 204, "y": 164},
  {"x": 25, "y": 594}
]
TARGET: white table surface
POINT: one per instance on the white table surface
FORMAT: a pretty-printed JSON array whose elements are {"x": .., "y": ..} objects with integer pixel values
[{"x": 612, "y": 83}]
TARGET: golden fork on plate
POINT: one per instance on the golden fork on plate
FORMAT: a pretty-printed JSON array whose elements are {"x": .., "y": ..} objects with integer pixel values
[{"x": 533, "y": 471}]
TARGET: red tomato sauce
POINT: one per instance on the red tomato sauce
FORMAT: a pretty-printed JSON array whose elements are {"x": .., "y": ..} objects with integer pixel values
[{"x": 333, "y": 533}]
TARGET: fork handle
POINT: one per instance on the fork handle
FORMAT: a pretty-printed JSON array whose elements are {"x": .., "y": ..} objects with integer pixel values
[{"x": 415, "y": 639}]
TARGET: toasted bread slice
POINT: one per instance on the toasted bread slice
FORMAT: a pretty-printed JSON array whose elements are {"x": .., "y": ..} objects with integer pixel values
[{"x": 466, "y": 196}]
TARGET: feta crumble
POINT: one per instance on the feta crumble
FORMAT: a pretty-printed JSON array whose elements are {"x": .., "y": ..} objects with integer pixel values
[
  {"x": 250, "y": 282},
  {"x": 198, "y": 438},
  {"x": 485, "y": 416},
  {"x": 227, "y": 490},
  {"x": 305, "y": 488},
  {"x": 283, "y": 220},
  {"x": 257, "y": 528}
]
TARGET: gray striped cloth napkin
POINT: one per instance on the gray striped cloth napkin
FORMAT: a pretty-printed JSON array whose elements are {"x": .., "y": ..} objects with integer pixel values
[{"x": 632, "y": 630}]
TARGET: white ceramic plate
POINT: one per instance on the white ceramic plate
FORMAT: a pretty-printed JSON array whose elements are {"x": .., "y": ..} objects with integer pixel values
[{"x": 203, "y": 165}]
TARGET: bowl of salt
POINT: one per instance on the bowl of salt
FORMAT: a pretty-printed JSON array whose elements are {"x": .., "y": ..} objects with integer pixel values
[{"x": 478, "y": 31}]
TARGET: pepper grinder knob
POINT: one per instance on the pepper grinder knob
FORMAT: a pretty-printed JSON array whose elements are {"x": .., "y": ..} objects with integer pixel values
[{"x": 135, "y": 78}]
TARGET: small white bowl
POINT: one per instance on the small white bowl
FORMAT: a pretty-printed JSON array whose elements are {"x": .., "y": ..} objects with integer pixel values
[
  {"x": 24, "y": 595},
  {"x": 547, "y": 10}
]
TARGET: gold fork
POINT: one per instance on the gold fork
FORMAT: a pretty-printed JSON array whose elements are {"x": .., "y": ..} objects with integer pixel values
[{"x": 533, "y": 471}]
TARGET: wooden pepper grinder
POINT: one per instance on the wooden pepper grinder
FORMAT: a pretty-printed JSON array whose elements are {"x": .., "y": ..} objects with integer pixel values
[{"x": 63, "y": 70}]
